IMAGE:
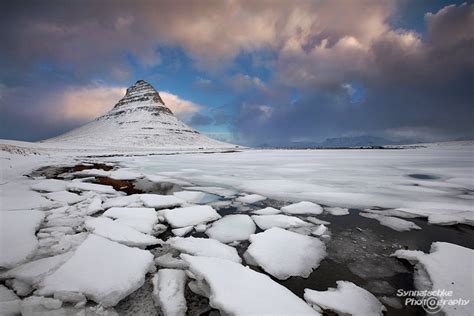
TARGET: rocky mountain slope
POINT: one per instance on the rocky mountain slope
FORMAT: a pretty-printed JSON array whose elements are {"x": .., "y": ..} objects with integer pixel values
[{"x": 139, "y": 119}]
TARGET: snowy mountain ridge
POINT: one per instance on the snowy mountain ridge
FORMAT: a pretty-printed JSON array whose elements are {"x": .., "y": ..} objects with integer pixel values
[{"x": 139, "y": 119}]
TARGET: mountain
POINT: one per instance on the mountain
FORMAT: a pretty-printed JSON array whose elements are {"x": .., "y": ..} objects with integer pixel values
[
  {"x": 139, "y": 119},
  {"x": 356, "y": 141},
  {"x": 339, "y": 142}
]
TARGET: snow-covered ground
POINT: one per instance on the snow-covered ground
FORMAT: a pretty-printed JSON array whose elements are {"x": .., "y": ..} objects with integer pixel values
[{"x": 71, "y": 244}]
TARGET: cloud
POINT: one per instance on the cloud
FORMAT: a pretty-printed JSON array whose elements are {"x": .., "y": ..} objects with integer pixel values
[
  {"x": 182, "y": 108},
  {"x": 86, "y": 103}
]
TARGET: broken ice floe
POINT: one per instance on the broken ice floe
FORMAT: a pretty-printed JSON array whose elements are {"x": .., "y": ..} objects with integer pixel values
[
  {"x": 303, "y": 207},
  {"x": 119, "y": 232},
  {"x": 267, "y": 211},
  {"x": 230, "y": 228},
  {"x": 282, "y": 221},
  {"x": 346, "y": 299},
  {"x": 168, "y": 291},
  {"x": 283, "y": 254},
  {"x": 264, "y": 296},
  {"x": 108, "y": 271},
  {"x": 191, "y": 215},
  {"x": 447, "y": 267},
  {"x": 251, "y": 198},
  {"x": 394, "y": 223},
  {"x": 161, "y": 201},
  {"x": 141, "y": 219},
  {"x": 17, "y": 235},
  {"x": 204, "y": 247}
]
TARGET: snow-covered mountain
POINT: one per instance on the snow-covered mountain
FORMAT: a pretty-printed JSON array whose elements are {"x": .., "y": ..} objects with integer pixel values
[{"x": 139, "y": 119}]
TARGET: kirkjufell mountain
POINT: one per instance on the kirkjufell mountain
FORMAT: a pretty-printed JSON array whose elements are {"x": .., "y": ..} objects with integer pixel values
[{"x": 139, "y": 119}]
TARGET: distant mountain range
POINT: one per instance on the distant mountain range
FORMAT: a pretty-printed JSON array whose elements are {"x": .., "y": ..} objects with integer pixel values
[{"x": 342, "y": 142}]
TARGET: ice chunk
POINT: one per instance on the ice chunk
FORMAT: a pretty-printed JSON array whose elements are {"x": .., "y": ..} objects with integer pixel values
[
  {"x": 251, "y": 198},
  {"x": 65, "y": 197},
  {"x": 191, "y": 215},
  {"x": 18, "y": 196},
  {"x": 200, "y": 228},
  {"x": 42, "y": 306},
  {"x": 267, "y": 211},
  {"x": 161, "y": 201},
  {"x": 302, "y": 208},
  {"x": 394, "y": 223},
  {"x": 133, "y": 200},
  {"x": 103, "y": 270},
  {"x": 204, "y": 247},
  {"x": 214, "y": 190},
  {"x": 337, "y": 211},
  {"x": 347, "y": 299},
  {"x": 50, "y": 185},
  {"x": 252, "y": 293},
  {"x": 168, "y": 261},
  {"x": 448, "y": 267},
  {"x": 17, "y": 236},
  {"x": 142, "y": 219},
  {"x": 283, "y": 254},
  {"x": 34, "y": 271},
  {"x": 85, "y": 186},
  {"x": 125, "y": 174},
  {"x": 182, "y": 231},
  {"x": 282, "y": 221},
  {"x": 317, "y": 221},
  {"x": 232, "y": 228},
  {"x": 92, "y": 173},
  {"x": 168, "y": 291},
  {"x": 196, "y": 197},
  {"x": 119, "y": 232},
  {"x": 9, "y": 302},
  {"x": 320, "y": 230},
  {"x": 70, "y": 297}
]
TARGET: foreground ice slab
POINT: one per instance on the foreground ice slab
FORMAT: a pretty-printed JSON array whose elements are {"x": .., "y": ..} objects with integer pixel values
[
  {"x": 196, "y": 197},
  {"x": 191, "y": 215},
  {"x": 232, "y": 228},
  {"x": 267, "y": 211},
  {"x": 447, "y": 267},
  {"x": 161, "y": 201},
  {"x": 251, "y": 198},
  {"x": 10, "y": 304},
  {"x": 50, "y": 185},
  {"x": 394, "y": 223},
  {"x": 283, "y": 254},
  {"x": 238, "y": 290},
  {"x": 119, "y": 232},
  {"x": 204, "y": 247},
  {"x": 17, "y": 236},
  {"x": 337, "y": 211},
  {"x": 103, "y": 270},
  {"x": 302, "y": 208},
  {"x": 347, "y": 299},
  {"x": 32, "y": 272},
  {"x": 85, "y": 186},
  {"x": 168, "y": 291},
  {"x": 282, "y": 221},
  {"x": 141, "y": 219},
  {"x": 65, "y": 197}
]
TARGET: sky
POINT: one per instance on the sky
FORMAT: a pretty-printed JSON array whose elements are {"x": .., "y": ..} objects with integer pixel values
[{"x": 249, "y": 72}]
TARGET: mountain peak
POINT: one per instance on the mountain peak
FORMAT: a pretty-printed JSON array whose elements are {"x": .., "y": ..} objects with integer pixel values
[{"x": 141, "y": 92}]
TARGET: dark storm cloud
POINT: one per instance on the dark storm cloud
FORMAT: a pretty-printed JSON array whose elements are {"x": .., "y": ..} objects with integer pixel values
[{"x": 416, "y": 88}]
